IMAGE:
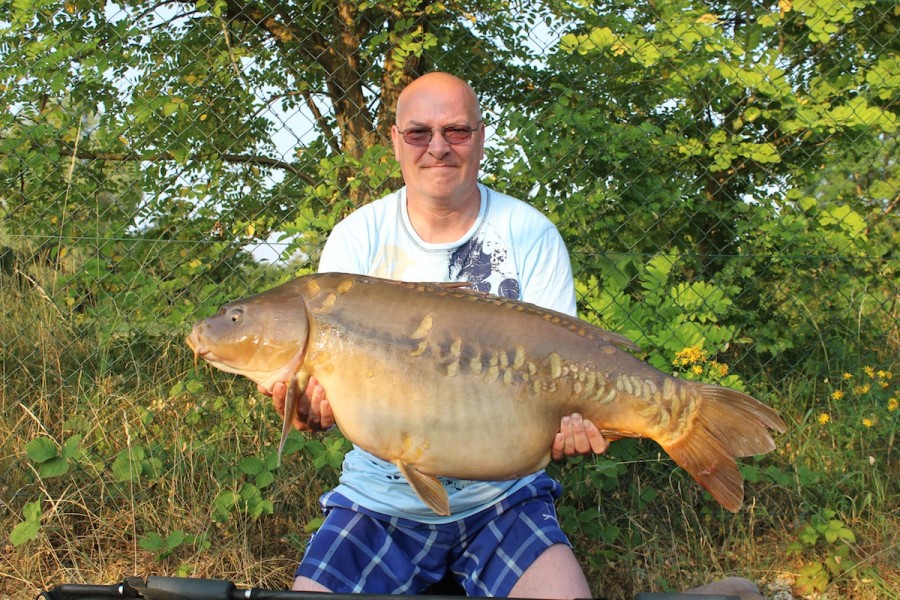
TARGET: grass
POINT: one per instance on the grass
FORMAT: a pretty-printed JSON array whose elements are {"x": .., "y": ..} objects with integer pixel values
[{"x": 169, "y": 471}]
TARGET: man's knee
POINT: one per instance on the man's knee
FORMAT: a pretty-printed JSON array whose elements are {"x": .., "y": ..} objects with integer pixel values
[
  {"x": 732, "y": 586},
  {"x": 305, "y": 584}
]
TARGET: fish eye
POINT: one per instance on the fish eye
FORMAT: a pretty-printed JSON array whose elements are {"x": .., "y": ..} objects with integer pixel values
[{"x": 236, "y": 314}]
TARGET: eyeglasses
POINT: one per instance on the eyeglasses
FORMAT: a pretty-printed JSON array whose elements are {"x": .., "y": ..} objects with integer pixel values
[{"x": 454, "y": 134}]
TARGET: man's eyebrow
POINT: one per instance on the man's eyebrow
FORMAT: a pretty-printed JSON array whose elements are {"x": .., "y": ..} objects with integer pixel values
[{"x": 418, "y": 124}]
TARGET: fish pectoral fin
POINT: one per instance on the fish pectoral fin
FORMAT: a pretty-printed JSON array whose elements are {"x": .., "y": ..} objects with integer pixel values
[
  {"x": 295, "y": 388},
  {"x": 427, "y": 487}
]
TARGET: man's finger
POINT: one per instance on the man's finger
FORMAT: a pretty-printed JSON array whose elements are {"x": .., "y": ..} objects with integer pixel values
[
  {"x": 278, "y": 394},
  {"x": 599, "y": 444},
  {"x": 580, "y": 442}
]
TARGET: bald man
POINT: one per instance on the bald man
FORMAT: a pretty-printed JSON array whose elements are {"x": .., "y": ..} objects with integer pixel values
[{"x": 502, "y": 538}]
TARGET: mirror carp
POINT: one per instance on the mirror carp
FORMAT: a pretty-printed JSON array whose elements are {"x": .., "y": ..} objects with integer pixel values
[{"x": 444, "y": 381}]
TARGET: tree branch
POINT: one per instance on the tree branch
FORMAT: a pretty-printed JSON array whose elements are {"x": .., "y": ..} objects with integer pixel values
[{"x": 262, "y": 161}]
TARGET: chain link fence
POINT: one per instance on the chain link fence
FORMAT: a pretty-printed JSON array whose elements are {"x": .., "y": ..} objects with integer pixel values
[{"x": 724, "y": 174}]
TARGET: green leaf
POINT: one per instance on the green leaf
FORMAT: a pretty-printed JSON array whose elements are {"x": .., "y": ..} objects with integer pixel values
[
  {"x": 72, "y": 446},
  {"x": 808, "y": 536},
  {"x": 41, "y": 449},
  {"x": 32, "y": 511},
  {"x": 175, "y": 539},
  {"x": 24, "y": 532},
  {"x": 152, "y": 541},
  {"x": 29, "y": 528},
  {"x": 250, "y": 465},
  {"x": 54, "y": 467},
  {"x": 313, "y": 525},
  {"x": 264, "y": 479},
  {"x": 127, "y": 465},
  {"x": 226, "y": 500}
]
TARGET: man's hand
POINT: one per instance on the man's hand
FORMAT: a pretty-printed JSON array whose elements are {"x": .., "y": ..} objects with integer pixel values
[
  {"x": 313, "y": 409},
  {"x": 577, "y": 436}
]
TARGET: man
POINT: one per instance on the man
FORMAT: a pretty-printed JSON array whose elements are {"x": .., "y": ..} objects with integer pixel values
[{"x": 502, "y": 538}]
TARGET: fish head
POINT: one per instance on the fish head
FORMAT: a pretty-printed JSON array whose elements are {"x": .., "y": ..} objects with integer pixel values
[{"x": 261, "y": 337}]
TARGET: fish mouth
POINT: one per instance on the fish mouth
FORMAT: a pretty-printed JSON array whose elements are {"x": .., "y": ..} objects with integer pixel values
[{"x": 199, "y": 350}]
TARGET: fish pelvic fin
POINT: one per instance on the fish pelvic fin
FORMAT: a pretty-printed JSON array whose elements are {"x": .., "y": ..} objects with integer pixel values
[
  {"x": 295, "y": 388},
  {"x": 728, "y": 424},
  {"x": 427, "y": 487}
]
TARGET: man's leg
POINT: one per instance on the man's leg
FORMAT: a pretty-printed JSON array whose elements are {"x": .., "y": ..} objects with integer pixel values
[
  {"x": 733, "y": 586},
  {"x": 554, "y": 574},
  {"x": 305, "y": 584}
]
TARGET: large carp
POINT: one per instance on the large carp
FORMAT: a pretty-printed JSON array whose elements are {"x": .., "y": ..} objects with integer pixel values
[{"x": 444, "y": 381}]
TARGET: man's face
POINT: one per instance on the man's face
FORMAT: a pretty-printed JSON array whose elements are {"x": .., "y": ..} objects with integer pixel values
[{"x": 438, "y": 171}]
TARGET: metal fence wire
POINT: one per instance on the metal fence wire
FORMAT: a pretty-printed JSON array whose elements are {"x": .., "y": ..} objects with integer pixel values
[{"x": 724, "y": 174}]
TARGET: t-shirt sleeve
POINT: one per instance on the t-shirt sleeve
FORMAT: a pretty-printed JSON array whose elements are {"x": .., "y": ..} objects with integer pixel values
[
  {"x": 547, "y": 273},
  {"x": 343, "y": 251}
]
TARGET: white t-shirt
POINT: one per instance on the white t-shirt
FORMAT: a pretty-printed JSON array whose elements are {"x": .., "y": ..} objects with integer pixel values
[{"x": 512, "y": 250}]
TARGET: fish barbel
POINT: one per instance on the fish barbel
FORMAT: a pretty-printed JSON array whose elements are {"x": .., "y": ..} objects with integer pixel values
[{"x": 447, "y": 382}]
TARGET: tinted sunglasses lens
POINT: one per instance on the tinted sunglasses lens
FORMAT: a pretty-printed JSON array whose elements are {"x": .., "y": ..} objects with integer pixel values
[
  {"x": 457, "y": 135},
  {"x": 417, "y": 137}
]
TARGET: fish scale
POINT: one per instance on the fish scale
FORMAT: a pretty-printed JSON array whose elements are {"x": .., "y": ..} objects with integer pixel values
[{"x": 422, "y": 374}]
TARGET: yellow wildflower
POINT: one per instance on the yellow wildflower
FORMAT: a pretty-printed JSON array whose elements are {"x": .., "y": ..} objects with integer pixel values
[
  {"x": 882, "y": 374},
  {"x": 824, "y": 418},
  {"x": 837, "y": 394},
  {"x": 689, "y": 356},
  {"x": 848, "y": 376},
  {"x": 869, "y": 371},
  {"x": 697, "y": 370},
  {"x": 892, "y": 404},
  {"x": 868, "y": 422},
  {"x": 720, "y": 368},
  {"x": 859, "y": 390}
]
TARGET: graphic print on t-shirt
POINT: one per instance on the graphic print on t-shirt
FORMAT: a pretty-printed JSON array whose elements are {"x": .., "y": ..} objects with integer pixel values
[{"x": 484, "y": 261}]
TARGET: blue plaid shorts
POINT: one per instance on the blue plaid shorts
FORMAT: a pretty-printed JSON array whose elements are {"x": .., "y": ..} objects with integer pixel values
[{"x": 359, "y": 551}]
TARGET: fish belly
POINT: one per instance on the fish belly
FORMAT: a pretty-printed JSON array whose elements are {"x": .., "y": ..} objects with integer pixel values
[{"x": 454, "y": 425}]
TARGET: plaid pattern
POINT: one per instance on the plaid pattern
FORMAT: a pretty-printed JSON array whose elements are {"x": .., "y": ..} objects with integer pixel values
[{"x": 360, "y": 551}]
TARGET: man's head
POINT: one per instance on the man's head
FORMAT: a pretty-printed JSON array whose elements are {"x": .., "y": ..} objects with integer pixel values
[{"x": 439, "y": 171}]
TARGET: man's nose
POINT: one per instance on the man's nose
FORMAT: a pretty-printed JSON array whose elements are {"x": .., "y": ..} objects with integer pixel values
[{"x": 438, "y": 146}]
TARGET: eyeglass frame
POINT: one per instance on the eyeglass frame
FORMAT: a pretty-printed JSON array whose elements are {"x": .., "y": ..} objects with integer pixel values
[{"x": 443, "y": 131}]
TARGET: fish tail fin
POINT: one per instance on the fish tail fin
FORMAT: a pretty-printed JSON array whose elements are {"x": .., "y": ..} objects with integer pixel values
[{"x": 727, "y": 424}]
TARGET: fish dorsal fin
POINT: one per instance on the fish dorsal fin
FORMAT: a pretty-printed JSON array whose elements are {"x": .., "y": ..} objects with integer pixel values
[
  {"x": 295, "y": 388},
  {"x": 427, "y": 487},
  {"x": 456, "y": 285}
]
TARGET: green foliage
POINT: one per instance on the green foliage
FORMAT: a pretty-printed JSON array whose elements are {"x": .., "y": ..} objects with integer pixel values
[
  {"x": 824, "y": 534},
  {"x": 29, "y": 528},
  {"x": 163, "y": 547},
  {"x": 136, "y": 463},
  {"x": 50, "y": 460},
  {"x": 653, "y": 305}
]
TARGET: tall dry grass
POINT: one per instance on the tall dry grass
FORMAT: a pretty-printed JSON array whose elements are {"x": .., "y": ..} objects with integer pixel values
[{"x": 140, "y": 397}]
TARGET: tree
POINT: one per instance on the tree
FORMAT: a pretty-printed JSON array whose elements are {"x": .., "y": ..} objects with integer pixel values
[
  {"x": 753, "y": 139},
  {"x": 682, "y": 127}
]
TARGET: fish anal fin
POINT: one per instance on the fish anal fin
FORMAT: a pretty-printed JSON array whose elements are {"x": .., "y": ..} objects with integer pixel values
[
  {"x": 427, "y": 487},
  {"x": 618, "y": 434},
  {"x": 295, "y": 388}
]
